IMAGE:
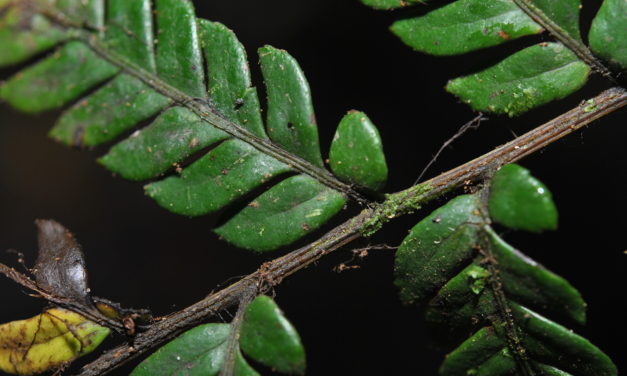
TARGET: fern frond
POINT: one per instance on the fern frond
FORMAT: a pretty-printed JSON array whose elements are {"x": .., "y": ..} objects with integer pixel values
[
  {"x": 531, "y": 77},
  {"x": 128, "y": 76},
  {"x": 469, "y": 279}
]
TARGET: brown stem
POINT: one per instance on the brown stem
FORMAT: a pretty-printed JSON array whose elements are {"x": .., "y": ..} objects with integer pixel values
[
  {"x": 366, "y": 223},
  {"x": 514, "y": 342},
  {"x": 228, "y": 369}
]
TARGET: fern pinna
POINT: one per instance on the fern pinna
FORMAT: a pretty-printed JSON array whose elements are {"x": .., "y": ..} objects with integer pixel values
[
  {"x": 469, "y": 278},
  {"x": 139, "y": 76},
  {"x": 532, "y": 76},
  {"x": 206, "y": 147}
]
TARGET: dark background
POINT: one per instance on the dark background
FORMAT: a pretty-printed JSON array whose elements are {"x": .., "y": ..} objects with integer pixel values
[{"x": 351, "y": 323}]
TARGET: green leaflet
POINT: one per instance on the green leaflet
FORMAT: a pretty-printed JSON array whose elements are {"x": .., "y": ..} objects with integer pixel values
[
  {"x": 107, "y": 113},
  {"x": 25, "y": 34},
  {"x": 464, "y": 26},
  {"x": 125, "y": 101},
  {"x": 564, "y": 13},
  {"x": 447, "y": 263},
  {"x": 265, "y": 336},
  {"x": 160, "y": 68},
  {"x": 390, "y": 4},
  {"x": 436, "y": 247},
  {"x": 129, "y": 31},
  {"x": 357, "y": 153},
  {"x": 201, "y": 349},
  {"x": 607, "y": 34},
  {"x": 520, "y": 201},
  {"x": 531, "y": 284},
  {"x": 179, "y": 58},
  {"x": 269, "y": 338},
  {"x": 525, "y": 80},
  {"x": 88, "y": 12},
  {"x": 283, "y": 214},
  {"x": 559, "y": 351},
  {"x": 291, "y": 121},
  {"x": 57, "y": 79},
  {"x": 154, "y": 149},
  {"x": 225, "y": 174},
  {"x": 228, "y": 78}
]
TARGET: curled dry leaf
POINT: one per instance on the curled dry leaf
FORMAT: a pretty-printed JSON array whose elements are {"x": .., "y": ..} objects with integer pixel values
[
  {"x": 76, "y": 325},
  {"x": 60, "y": 267}
]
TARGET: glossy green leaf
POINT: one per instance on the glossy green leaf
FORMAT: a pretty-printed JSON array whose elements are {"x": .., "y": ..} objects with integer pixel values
[
  {"x": 477, "y": 349},
  {"x": 527, "y": 79},
  {"x": 269, "y": 338},
  {"x": 465, "y": 25},
  {"x": 549, "y": 347},
  {"x": 390, "y": 4},
  {"x": 57, "y": 79},
  {"x": 24, "y": 33},
  {"x": 199, "y": 351},
  {"x": 81, "y": 12},
  {"x": 520, "y": 201},
  {"x": 47, "y": 341},
  {"x": 564, "y": 13},
  {"x": 437, "y": 247},
  {"x": 129, "y": 31},
  {"x": 523, "y": 281},
  {"x": 228, "y": 77},
  {"x": 291, "y": 121},
  {"x": 283, "y": 214},
  {"x": 113, "y": 109},
  {"x": 461, "y": 300},
  {"x": 469, "y": 277},
  {"x": 608, "y": 38},
  {"x": 125, "y": 101},
  {"x": 223, "y": 175},
  {"x": 529, "y": 283},
  {"x": 265, "y": 336},
  {"x": 156, "y": 148},
  {"x": 357, "y": 153},
  {"x": 545, "y": 339},
  {"x": 179, "y": 58}
]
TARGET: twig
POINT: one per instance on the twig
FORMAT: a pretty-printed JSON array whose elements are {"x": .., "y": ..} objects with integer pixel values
[
  {"x": 360, "y": 254},
  {"x": 474, "y": 123},
  {"x": 233, "y": 346},
  {"x": 366, "y": 223}
]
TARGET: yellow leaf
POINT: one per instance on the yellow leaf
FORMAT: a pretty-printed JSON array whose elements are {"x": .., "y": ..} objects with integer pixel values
[{"x": 46, "y": 341}]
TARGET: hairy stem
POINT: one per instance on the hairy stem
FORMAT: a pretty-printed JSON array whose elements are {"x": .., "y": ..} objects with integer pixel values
[{"x": 366, "y": 223}]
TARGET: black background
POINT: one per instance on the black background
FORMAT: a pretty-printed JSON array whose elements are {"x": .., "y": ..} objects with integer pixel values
[{"x": 351, "y": 323}]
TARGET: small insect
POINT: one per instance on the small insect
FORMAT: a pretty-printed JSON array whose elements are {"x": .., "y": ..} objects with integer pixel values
[{"x": 239, "y": 102}]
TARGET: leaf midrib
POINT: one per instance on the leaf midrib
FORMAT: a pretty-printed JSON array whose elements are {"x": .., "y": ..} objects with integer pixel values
[
  {"x": 203, "y": 110},
  {"x": 577, "y": 47}
]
